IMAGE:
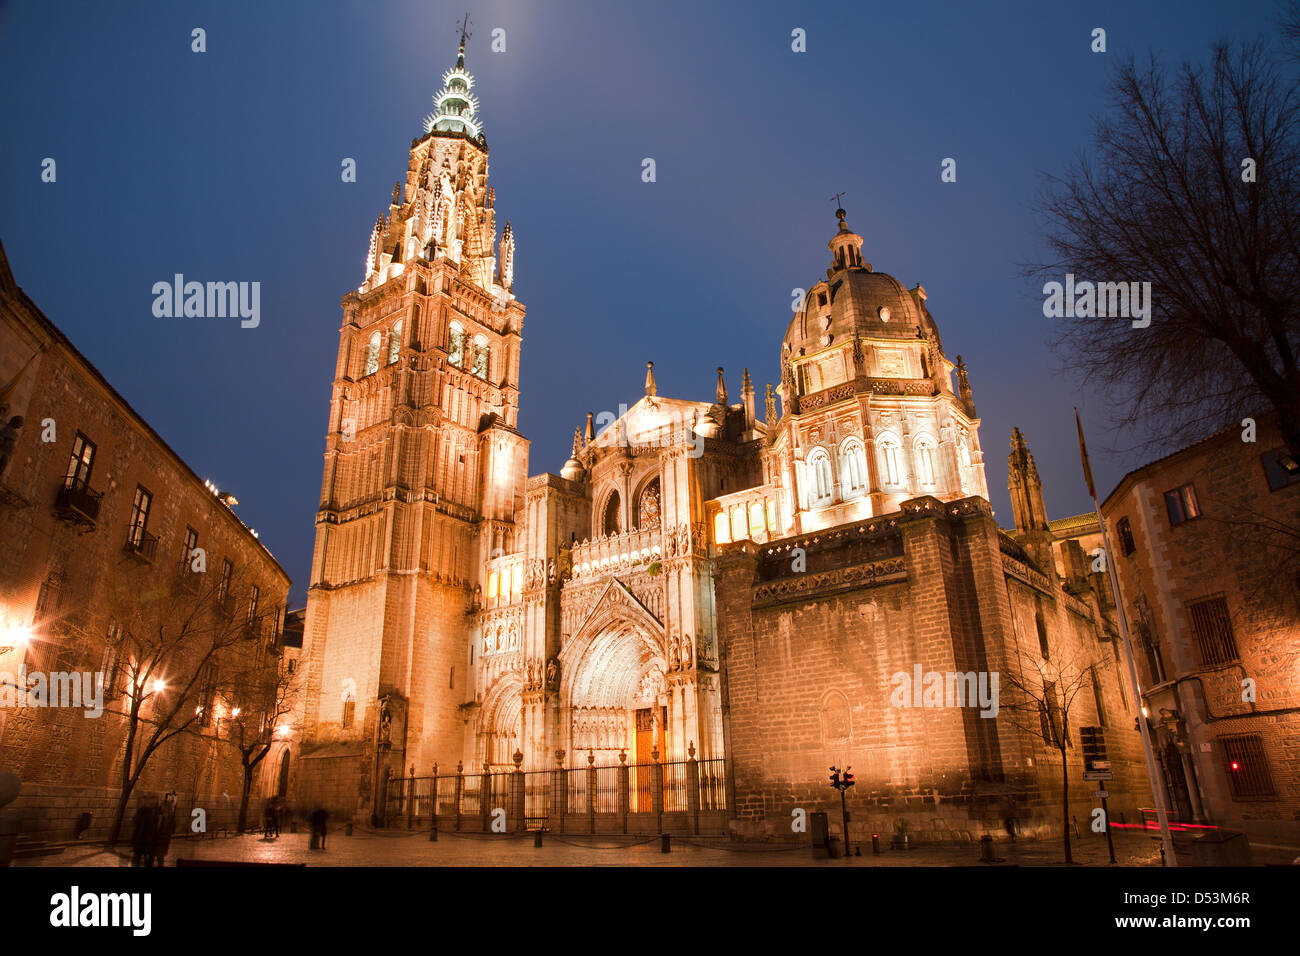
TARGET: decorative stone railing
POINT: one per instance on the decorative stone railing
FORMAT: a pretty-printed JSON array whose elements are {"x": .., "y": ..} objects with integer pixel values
[{"x": 618, "y": 552}]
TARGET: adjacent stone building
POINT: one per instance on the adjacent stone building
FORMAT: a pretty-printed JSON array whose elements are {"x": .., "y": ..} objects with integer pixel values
[
  {"x": 1209, "y": 568},
  {"x": 102, "y": 523},
  {"x": 705, "y": 584}
]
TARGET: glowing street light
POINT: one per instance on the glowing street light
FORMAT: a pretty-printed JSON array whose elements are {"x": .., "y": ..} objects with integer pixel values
[
  {"x": 234, "y": 712},
  {"x": 13, "y": 636},
  {"x": 159, "y": 685}
]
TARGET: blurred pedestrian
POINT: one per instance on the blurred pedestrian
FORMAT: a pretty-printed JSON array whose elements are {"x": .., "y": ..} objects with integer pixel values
[
  {"x": 166, "y": 826},
  {"x": 144, "y": 832}
]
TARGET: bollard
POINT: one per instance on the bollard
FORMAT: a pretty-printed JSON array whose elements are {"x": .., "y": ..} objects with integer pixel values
[
  {"x": 537, "y": 838},
  {"x": 348, "y": 829},
  {"x": 986, "y": 849},
  {"x": 665, "y": 844},
  {"x": 433, "y": 831},
  {"x": 875, "y": 843}
]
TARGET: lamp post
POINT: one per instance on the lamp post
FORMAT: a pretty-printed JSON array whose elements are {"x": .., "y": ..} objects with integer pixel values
[{"x": 841, "y": 780}]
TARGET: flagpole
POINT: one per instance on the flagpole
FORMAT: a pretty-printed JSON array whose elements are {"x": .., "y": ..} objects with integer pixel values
[{"x": 1157, "y": 791}]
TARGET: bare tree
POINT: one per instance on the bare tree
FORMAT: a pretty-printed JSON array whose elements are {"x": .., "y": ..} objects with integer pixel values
[
  {"x": 170, "y": 643},
  {"x": 260, "y": 696},
  {"x": 1042, "y": 696},
  {"x": 1193, "y": 186}
]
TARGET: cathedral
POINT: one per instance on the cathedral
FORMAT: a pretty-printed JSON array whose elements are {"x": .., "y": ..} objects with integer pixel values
[{"x": 708, "y": 581}]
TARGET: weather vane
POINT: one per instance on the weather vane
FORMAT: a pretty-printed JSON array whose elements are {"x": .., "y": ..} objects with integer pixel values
[{"x": 464, "y": 29}]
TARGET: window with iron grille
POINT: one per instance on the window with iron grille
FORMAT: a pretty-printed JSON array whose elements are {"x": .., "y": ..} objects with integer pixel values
[
  {"x": 252, "y": 603},
  {"x": 1213, "y": 629},
  {"x": 1182, "y": 505},
  {"x": 1126, "y": 543},
  {"x": 1247, "y": 766}
]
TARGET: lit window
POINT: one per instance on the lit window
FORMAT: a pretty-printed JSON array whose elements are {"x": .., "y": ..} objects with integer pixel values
[
  {"x": 1182, "y": 505},
  {"x": 721, "y": 531},
  {"x": 821, "y": 487},
  {"x": 1280, "y": 468},
  {"x": 517, "y": 579},
  {"x": 738, "y": 530},
  {"x": 372, "y": 354},
  {"x": 456, "y": 344},
  {"x": 853, "y": 470},
  {"x": 890, "y": 472},
  {"x": 139, "y": 516},
  {"x": 83, "y": 457},
  {"x": 395, "y": 342},
  {"x": 771, "y": 516},
  {"x": 925, "y": 459},
  {"x": 492, "y": 585},
  {"x": 480, "y": 368},
  {"x": 756, "y": 517}
]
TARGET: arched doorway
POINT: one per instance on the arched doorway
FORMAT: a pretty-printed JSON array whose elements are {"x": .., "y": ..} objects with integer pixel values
[
  {"x": 282, "y": 787},
  {"x": 614, "y": 696}
]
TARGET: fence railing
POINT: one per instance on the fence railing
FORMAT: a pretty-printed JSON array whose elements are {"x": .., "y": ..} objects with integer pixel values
[{"x": 685, "y": 795}]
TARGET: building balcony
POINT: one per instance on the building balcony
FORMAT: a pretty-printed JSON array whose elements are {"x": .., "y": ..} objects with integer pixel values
[
  {"x": 619, "y": 552},
  {"x": 77, "y": 502},
  {"x": 141, "y": 544}
]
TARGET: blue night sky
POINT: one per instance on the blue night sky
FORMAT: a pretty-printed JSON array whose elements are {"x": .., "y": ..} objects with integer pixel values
[{"x": 225, "y": 166}]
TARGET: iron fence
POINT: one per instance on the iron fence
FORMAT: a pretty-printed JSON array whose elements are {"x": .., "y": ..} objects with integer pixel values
[{"x": 632, "y": 798}]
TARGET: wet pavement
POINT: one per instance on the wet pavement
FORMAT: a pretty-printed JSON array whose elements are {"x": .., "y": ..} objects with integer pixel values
[{"x": 413, "y": 848}]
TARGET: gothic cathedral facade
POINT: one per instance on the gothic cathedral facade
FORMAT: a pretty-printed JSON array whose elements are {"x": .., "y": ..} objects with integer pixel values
[{"x": 463, "y": 613}]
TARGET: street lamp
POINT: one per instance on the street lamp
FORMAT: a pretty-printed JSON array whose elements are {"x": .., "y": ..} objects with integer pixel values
[
  {"x": 13, "y": 636},
  {"x": 159, "y": 685},
  {"x": 841, "y": 780}
]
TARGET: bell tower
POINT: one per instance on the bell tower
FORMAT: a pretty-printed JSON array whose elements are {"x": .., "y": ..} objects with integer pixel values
[{"x": 424, "y": 470}]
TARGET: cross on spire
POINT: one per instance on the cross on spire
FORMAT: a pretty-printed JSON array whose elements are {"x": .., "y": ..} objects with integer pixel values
[
  {"x": 464, "y": 30},
  {"x": 837, "y": 197}
]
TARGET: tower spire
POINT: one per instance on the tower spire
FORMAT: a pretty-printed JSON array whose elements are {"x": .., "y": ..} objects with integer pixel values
[
  {"x": 456, "y": 107},
  {"x": 650, "y": 388}
]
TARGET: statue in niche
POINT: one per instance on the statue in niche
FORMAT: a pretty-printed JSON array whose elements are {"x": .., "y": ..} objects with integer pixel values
[{"x": 553, "y": 674}]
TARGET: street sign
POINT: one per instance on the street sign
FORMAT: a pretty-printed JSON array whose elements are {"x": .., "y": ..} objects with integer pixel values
[
  {"x": 1098, "y": 775},
  {"x": 1101, "y": 794}
]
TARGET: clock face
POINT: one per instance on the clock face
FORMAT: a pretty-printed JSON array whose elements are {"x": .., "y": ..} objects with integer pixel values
[{"x": 884, "y": 313}]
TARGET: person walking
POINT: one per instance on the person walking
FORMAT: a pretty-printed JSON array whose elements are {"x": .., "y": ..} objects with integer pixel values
[
  {"x": 166, "y": 826},
  {"x": 144, "y": 832}
]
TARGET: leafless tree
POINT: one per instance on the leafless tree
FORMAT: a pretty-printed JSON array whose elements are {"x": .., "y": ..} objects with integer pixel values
[
  {"x": 1041, "y": 697},
  {"x": 1193, "y": 185},
  {"x": 259, "y": 697},
  {"x": 170, "y": 642}
]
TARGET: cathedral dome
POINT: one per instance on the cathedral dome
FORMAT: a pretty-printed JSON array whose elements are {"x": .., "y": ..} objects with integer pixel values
[{"x": 855, "y": 299}]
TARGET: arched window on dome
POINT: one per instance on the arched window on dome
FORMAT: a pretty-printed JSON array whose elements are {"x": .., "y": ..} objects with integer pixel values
[
  {"x": 480, "y": 367},
  {"x": 924, "y": 449},
  {"x": 821, "y": 484},
  {"x": 890, "y": 473},
  {"x": 372, "y": 354},
  {"x": 456, "y": 344},
  {"x": 853, "y": 468},
  {"x": 395, "y": 342}
]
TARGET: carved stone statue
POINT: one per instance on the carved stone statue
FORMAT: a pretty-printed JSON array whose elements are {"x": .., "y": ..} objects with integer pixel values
[{"x": 552, "y": 674}]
